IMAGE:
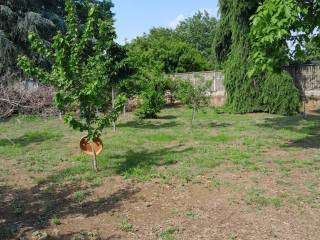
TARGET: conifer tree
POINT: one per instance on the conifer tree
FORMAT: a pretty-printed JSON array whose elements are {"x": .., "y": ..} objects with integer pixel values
[
  {"x": 44, "y": 17},
  {"x": 233, "y": 48},
  {"x": 17, "y": 19},
  {"x": 274, "y": 92}
]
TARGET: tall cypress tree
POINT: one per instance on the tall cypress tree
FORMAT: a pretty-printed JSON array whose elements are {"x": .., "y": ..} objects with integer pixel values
[{"x": 232, "y": 49}]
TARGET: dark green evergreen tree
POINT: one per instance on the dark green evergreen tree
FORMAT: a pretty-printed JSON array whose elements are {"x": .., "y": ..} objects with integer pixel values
[
  {"x": 43, "y": 17},
  {"x": 233, "y": 49},
  {"x": 17, "y": 19}
]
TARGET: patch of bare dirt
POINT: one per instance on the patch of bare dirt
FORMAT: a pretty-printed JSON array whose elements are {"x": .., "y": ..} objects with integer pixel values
[
  {"x": 275, "y": 153},
  {"x": 16, "y": 177},
  {"x": 210, "y": 207}
]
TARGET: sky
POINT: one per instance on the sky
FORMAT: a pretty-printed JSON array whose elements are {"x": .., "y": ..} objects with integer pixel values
[{"x": 135, "y": 17}]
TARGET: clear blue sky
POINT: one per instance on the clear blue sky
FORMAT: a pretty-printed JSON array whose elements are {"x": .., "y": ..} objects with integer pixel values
[{"x": 134, "y": 17}]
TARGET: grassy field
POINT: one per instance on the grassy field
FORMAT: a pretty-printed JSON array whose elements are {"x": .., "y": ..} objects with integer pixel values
[{"x": 256, "y": 148}]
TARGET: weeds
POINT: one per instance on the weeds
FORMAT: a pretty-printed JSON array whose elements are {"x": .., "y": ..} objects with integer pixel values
[{"x": 168, "y": 234}]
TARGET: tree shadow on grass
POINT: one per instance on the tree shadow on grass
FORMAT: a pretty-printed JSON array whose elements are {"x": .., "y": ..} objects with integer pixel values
[
  {"x": 23, "y": 211},
  {"x": 29, "y": 210},
  {"x": 167, "y": 117},
  {"x": 120, "y": 164},
  {"x": 146, "y": 159},
  {"x": 309, "y": 126},
  {"x": 148, "y": 125},
  {"x": 30, "y": 138},
  {"x": 219, "y": 124}
]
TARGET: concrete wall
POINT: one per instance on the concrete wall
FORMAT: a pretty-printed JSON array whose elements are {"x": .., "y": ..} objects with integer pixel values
[
  {"x": 306, "y": 77},
  {"x": 217, "y": 90}
]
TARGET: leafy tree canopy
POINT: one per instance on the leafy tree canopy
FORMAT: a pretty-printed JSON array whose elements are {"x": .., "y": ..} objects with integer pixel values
[
  {"x": 199, "y": 31},
  {"x": 279, "y": 21},
  {"x": 240, "y": 42},
  {"x": 163, "y": 48},
  {"x": 85, "y": 63}
]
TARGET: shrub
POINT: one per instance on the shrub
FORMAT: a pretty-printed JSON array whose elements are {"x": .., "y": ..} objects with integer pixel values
[
  {"x": 152, "y": 95},
  {"x": 279, "y": 94}
]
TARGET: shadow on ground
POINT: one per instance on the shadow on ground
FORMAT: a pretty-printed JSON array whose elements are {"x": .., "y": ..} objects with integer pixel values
[
  {"x": 76, "y": 235},
  {"x": 146, "y": 159},
  {"x": 25, "y": 210},
  {"x": 308, "y": 126},
  {"x": 148, "y": 124},
  {"x": 30, "y": 138},
  {"x": 122, "y": 164}
]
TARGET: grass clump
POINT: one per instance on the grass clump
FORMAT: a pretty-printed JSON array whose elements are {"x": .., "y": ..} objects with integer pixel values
[
  {"x": 125, "y": 226},
  {"x": 168, "y": 234},
  {"x": 80, "y": 196},
  {"x": 256, "y": 198}
]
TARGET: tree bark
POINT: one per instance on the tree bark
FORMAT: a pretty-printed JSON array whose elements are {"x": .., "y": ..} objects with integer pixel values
[
  {"x": 94, "y": 159},
  {"x": 124, "y": 110},
  {"x": 193, "y": 116},
  {"x": 113, "y": 103}
]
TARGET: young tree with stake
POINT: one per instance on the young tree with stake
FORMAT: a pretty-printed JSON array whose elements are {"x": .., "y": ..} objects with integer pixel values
[{"x": 85, "y": 63}]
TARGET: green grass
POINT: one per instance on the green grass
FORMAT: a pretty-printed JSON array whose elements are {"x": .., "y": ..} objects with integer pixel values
[
  {"x": 56, "y": 221},
  {"x": 165, "y": 148},
  {"x": 168, "y": 234},
  {"x": 125, "y": 226},
  {"x": 257, "y": 198},
  {"x": 80, "y": 196}
]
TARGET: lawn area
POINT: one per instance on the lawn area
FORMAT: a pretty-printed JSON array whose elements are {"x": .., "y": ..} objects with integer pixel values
[{"x": 162, "y": 179}]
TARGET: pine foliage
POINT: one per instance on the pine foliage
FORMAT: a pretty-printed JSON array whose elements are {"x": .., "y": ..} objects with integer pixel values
[
  {"x": 235, "y": 27},
  {"x": 279, "y": 94},
  {"x": 273, "y": 92},
  {"x": 17, "y": 19}
]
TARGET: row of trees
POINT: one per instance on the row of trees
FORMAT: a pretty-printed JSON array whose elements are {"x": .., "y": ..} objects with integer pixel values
[
  {"x": 86, "y": 64},
  {"x": 249, "y": 42},
  {"x": 186, "y": 48},
  {"x": 164, "y": 51},
  {"x": 78, "y": 55}
]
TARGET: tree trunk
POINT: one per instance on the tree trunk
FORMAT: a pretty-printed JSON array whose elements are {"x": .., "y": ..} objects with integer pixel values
[
  {"x": 94, "y": 159},
  {"x": 124, "y": 110},
  {"x": 113, "y": 103},
  {"x": 193, "y": 116}
]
